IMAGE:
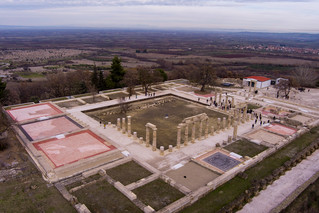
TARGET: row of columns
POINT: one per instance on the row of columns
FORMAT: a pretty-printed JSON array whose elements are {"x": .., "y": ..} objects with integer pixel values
[
  {"x": 226, "y": 102},
  {"x": 122, "y": 125}
]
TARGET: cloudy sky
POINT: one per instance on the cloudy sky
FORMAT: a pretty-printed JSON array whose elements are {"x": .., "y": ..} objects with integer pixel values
[{"x": 249, "y": 15}]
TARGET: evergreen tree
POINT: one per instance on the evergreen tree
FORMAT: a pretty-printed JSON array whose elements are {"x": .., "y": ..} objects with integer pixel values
[
  {"x": 117, "y": 72},
  {"x": 94, "y": 77},
  {"x": 101, "y": 81},
  {"x": 3, "y": 91}
]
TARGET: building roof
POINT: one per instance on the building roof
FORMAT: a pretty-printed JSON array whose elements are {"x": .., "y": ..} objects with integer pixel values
[{"x": 259, "y": 78}]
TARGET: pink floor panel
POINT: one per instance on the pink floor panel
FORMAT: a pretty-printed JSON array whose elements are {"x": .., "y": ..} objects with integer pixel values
[
  {"x": 48, "y": 128},
  {"x": 73, "y": 147},
  {"x": 281, "y": 129},
  {"x": 33, "y": 111}
]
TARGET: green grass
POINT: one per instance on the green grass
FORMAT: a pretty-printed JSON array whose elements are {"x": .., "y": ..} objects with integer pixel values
[
  {"x": 215, "y": 200},
  {"x": 17, "y": 196},
  {"x": 245, "y": 148},
  {"x": 128, "y": 173},
  {"x": 103, "y": 197},
  {"x": 158, "y": 194},
  {"x": 31, "y": 75},
  {"x": 253, "y": 106},
  {"x": 307, "y": 201}
]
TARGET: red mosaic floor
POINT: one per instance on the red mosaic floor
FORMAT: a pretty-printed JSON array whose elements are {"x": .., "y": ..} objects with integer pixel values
[
  {"x": 33, "y": 111},
  {"x": 73, "y": 147},
  {"x": 48, "y": 128},
  {"x": 281, "y": 129}
]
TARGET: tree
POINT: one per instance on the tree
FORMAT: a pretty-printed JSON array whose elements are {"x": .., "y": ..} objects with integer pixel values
[
  {"x": 284, "y": 87},
  {"x": 101, "y": 81},
  {"x": 131, "y": 79},
  {"x": 94, "y": 77},
  {"x": 163, "y": 74},
  {"x": 3, "y": 91},
  {"x": 144, "y": 77},
  {"x": 306, "y": 76},
  {"x": 204, "y": 75},
  {"x": 117, "y": 72}
]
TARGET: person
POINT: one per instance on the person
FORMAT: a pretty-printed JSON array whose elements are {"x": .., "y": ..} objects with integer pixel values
[
  {"x": 135, "y": 95},
  {"x": 268, "y": 121},
  {"x": 261, "y": 122},
  {"x": 255, "y": 121},
  {"x": 100, "y": 123},
  {"x": 252, "y": 126},
  {"x": 104, "y": 125},
  {"x": 198, "y": 99}
]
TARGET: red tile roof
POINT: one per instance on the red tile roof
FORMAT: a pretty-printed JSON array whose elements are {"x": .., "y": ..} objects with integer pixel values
[{"x": 259, "y": 78}]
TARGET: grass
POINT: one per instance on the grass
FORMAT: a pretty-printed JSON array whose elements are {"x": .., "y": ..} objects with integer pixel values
[
  {"x": 55, "y": 99},
  {"x": 17, "y": 196},
  {"x": 177, "y": 110},
  {"x": 68, "y": 104},
  {"x": 307, "y": 201},
  {"x": 245, "y": 148},
  {"x": 117, "y": 95},
  {"x": 31, "y": 75},
  {"x": 224, "y": 194},
  {"x": 103, "y": 197},
  {"x": 128, "y": 173},
  {"x": 158, "y": 194},
  {"x": 96, "y": 99},
  {"x": 253, "y": 106}
]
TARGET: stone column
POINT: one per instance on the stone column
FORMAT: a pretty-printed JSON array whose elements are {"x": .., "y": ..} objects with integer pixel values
[
  {"x": 215, "y": 97},
  {"x": 212, "y": 131},
  {"x": 193, "y": 132},
  {"x": 244, "y": 115},
  {"x": 224, "y": 123},
  {"x": 250, "y": 86},
  {"x": 228, "y": 122},
  {"x": 226, "y": 103},
  {"x": 232, "y": 102},
  {"x": 129, "y": 118},
  {"x": 200, "y": 130},
  {"x": 154, "y": 139},
  {"x": 252, "y": 117},
  {"x": 162, "y": 150},
  {"x": 220, "y": 99},
  {"x": 123, "y": 126},
  {"x": 141, "y": 140},
  {"x": 218, "y": 124},
  {"x": 147, "y": 137},
  {"x": 178, "y": 144},
  {"x": 229, "y": 139},
  {"x": 235, "y": 130},
  {"x": 255, "y": 86},
  {"x": 186, "y": 135},
  {"x": 119, "y": 124},
  {"x": 170, "y": 148},
  {"x": 206, "y": 128}
]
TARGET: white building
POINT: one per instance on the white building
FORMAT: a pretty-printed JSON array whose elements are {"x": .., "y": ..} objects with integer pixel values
[{"x": 260, "y": 81}]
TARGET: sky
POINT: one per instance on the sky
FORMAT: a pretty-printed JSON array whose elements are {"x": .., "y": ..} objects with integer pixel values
[{"x": 233, "y": 15}]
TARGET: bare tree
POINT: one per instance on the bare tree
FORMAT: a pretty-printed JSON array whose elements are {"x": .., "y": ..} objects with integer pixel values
[
  {"x": 124, "y": 106},
  {"x": 204, "y": 75},
  {"x": 306, "y": 76},
  {"x": 131, "y": 80},
  {"x": 283, "y": 88},
  {"x": 147, "y": 77}
]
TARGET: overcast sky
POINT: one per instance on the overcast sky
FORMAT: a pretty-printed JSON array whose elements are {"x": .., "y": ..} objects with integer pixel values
[{"x": 249, "y": 15}]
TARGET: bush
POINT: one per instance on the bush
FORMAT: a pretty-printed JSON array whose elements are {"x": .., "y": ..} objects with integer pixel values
[{"x": 3, "y": 144}]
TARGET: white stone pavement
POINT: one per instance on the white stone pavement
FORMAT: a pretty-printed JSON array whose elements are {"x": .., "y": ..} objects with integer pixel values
[
  {"x": 277, "y": 192},
  {"x": 122, "y": 142}
]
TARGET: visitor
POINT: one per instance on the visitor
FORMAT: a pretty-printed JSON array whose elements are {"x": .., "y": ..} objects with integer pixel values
[
  {"x": 255, "y": 121},
  {"x": 261, "y": 122},
  {"x": 104, "y": 125},
  {"x": 198, "y": 99},
  {"x": 268, "y": 121},
  {"x": 153, "y": 93},
  {"x": 136, "y": 96},
  {"x": 100, "y": 123},
  {"x": 252, "y": 126}
]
